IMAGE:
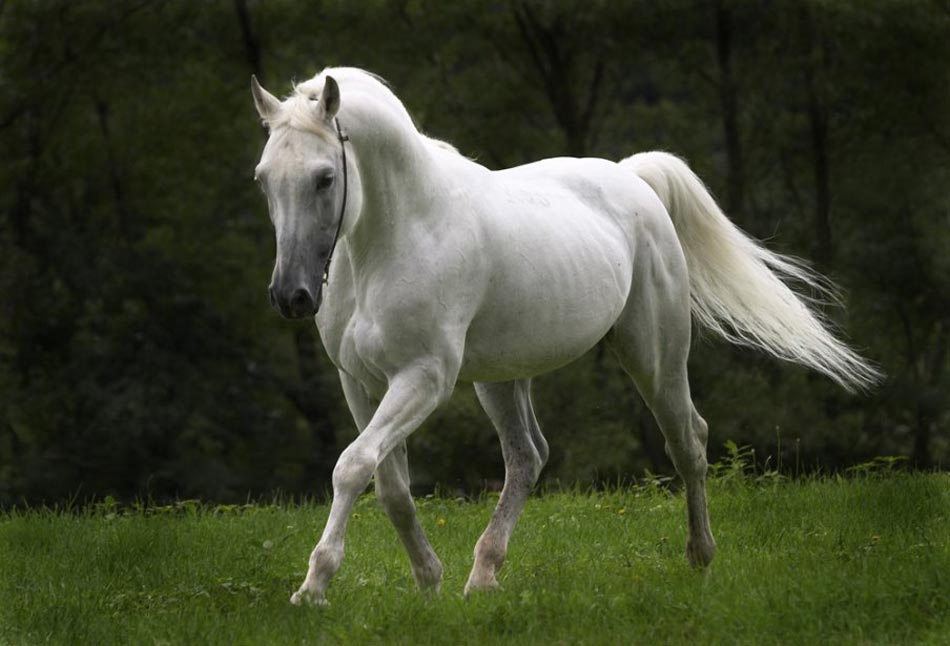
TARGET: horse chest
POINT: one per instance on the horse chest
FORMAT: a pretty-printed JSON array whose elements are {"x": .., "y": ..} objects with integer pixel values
[
  {"x": 371, "y": 353},
  {"x": 360, "y": 353}
]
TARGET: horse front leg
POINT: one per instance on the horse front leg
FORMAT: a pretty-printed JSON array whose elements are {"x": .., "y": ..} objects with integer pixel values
[
  {"x": 412, "y": 395},
  {"x": 393, "y": 493}
]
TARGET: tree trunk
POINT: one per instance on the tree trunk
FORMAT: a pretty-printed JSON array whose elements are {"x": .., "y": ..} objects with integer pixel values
[
  {"x": 818, "y": 125},
  {"x": 115, "y": 178},
  {"x": 815, "y": 64},
  {"x": 555, "y": 64},
  {"x": 252, "y": 45},
  {"x": 729, "y": 105},
  {"x": 921, "y": 457}
]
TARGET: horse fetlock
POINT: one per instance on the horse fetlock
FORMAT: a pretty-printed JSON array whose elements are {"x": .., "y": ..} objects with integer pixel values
[
  {"x": 325, "y": 558},
  {"x": 490, "y": 555},
  {"x": 700, "y": 550},
  {"x": 428, "y": 575},
  {"x": 491, "y": 552}
]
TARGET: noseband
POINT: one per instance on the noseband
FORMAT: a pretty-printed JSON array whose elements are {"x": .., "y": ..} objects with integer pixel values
[{"x": 343, "y": 138}]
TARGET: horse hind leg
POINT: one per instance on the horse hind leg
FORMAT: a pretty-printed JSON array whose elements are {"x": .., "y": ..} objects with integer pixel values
[
  {"x": 651, "y": 341},
  {"x": 525, "y": 453},
  {"x": 686, "y": 445}
]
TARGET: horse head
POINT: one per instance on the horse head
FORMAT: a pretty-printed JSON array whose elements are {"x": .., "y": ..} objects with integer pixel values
[{"x": 303, "y": 174}]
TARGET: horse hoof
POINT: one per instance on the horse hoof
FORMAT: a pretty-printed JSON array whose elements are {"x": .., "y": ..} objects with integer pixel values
[
  {"x": 306, "y": 597},
  {"x": 482, "y": 586}
]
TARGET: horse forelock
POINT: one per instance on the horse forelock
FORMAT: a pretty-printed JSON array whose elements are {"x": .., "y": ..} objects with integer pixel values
[
  {"x": 362, "y": 93},
  {"x": 364, "y": 96}
]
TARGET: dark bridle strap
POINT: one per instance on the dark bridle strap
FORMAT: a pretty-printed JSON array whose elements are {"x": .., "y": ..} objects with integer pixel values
[{"x": 339, "y": 225}]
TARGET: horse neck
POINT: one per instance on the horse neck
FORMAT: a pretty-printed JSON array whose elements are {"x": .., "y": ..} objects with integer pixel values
[{"x": 397, "y": 178}]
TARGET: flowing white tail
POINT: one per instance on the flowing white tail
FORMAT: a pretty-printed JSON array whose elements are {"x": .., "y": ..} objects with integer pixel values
[{"x": 738, "y": 287}]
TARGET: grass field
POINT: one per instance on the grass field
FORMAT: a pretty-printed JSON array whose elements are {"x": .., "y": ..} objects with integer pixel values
[{"x": 859, "y": 560}]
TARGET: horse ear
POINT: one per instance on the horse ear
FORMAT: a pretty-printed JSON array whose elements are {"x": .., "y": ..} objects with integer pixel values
[
  {"x": 330, "y": 99},
  {"x": 265, "y": 102}
]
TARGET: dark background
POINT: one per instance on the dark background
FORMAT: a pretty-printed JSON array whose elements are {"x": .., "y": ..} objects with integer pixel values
[{"x": 138, "y": 353}]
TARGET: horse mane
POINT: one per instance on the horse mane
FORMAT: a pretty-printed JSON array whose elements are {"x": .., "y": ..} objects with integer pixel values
[{"x": 360, "y": 91}]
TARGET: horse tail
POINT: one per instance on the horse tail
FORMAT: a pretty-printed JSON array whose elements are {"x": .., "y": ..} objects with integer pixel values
[{"x": 739, "y": 289}]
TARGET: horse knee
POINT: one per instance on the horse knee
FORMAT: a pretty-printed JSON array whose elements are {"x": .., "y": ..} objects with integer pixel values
[
  {"x": 353, "y": 470},
  {"x": 329, "y": 554},
  {"x": 436, "y": 379}
]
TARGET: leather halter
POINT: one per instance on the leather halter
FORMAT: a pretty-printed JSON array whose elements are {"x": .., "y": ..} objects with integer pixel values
[{"x": 343, "y": 138}]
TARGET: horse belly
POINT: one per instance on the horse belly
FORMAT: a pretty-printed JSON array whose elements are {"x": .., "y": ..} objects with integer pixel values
[{"x": 550, "y": 300}]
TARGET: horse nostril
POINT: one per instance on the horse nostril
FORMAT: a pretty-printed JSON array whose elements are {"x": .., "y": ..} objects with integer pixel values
[
  {"x": 300, "y": 300},
  {"x": 273, "y": 296}
]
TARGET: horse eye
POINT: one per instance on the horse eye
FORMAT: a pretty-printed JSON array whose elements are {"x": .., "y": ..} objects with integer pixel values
[{"x": 324, "y": 182}]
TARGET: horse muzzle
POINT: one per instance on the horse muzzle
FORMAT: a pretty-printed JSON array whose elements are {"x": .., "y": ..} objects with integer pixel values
[{"x": 296, "y": 303}]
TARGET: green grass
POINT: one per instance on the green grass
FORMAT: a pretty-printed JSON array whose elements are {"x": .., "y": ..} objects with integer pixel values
[{"x": 859, "y": 560}]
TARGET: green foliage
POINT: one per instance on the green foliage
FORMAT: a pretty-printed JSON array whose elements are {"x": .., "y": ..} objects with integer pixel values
[
  {"x": 881, "y": 465},
  {"x": 138, "y": 356},
  {"x": 821, "y": 560}
]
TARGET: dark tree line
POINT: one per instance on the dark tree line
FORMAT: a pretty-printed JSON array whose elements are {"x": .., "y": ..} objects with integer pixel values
[{"x": 138, "y": 354}]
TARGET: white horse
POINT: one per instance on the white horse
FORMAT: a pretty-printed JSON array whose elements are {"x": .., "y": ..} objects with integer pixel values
[{"x": 443, "y": 271}]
